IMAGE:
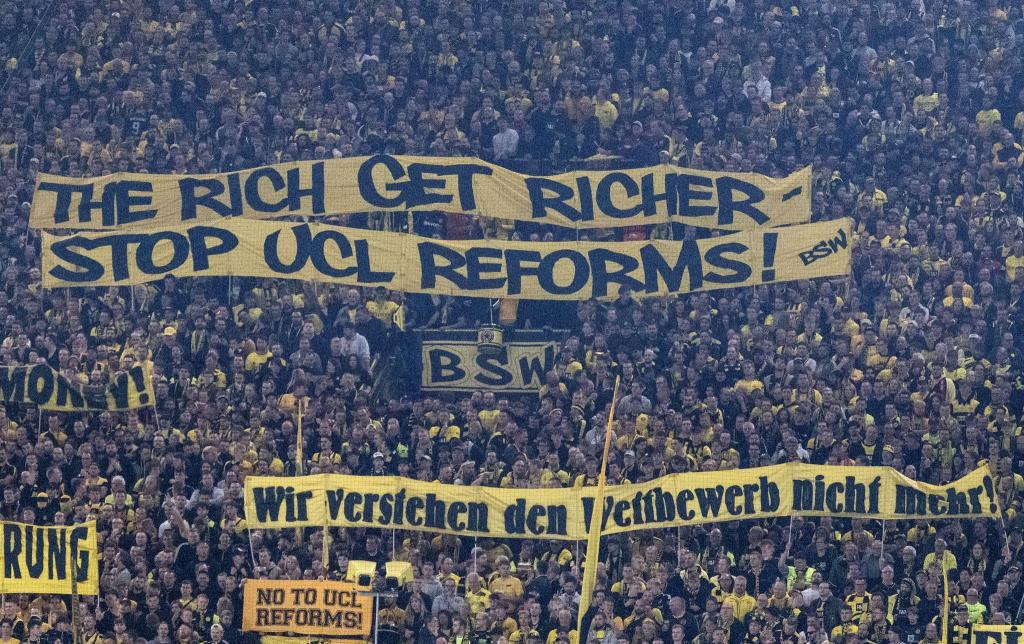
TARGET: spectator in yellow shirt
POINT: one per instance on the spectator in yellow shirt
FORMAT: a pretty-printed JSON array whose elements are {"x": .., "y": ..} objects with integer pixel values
[
  {"x": 847, "y": 626},
  {"x": 382, "y": 307},
  {"x": 988, "y": 117},
  {"x": 255, "y": 360},
  {"x": 505, "y": 585},
  {"x": 1014, "y": 260},
  {"x": 928, "y": 100},
  {"x": 605, "y": 110},
  {"x": 742, "y": 603},
  {"x": 477, "y": 597},
  {"x": 941, "y": 555},
  {"x": 975, "y": 609}
]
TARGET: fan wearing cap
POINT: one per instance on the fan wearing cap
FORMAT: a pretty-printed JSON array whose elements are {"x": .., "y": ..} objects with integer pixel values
[
  {"x": 633, "y": 145},
  {"x": 378, "y": 466},
  {"x": 37, "y": 628}
]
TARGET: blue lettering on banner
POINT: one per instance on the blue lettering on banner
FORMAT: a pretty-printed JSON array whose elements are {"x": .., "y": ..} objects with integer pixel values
[
  {"x": 532, "y": 369},
  {"x": 736, "y": 195},
  {"x": 41, "y": 385},
  {"x": 493, "y": 371},
  {"x": 548, "y": 194},
  {"x": 600, "y": 268},
  {"x": 618, "y": 195},
  {"x": 264, "y": 190},
  {"x": 476, "y": 266},
  {"x": 996, "y": 634},
  {"x": 604, "y": 195},
  {"x": 690, "y": 190},
  {"x": 195, "y": 243},
  {"x": 398, "y": 183},
  {"x": 309, "y": 247},
  {"x": 580, "y": 272},
  {"x": 472, "y": 268},
  {"x": 45, "y": 552},
  {"x": 519, "y": 264},
  {"x": 824, "y": 248},
  {"x": 444, "y": 366},
  {"x": 688, "y": 262},
  {"x": 736, "y": 271},
  {"x": 120, "y": 203},
  {"x": 422, "y": 180},
  {"x": 430, "y": 270},
  {"x": 600, "y": 262}
]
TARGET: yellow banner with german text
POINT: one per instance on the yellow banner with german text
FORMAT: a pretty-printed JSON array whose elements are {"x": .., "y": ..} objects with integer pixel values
[
  {"x": 41, "y": 385},
  {"x": 581, "y": 199},
  {"x": 997, "y": 634},
  {"x": 576, "y": 270},
  {"x": 41, "y": 559},
  {"x": 669, "y": 501},
  {"x": 306, "y": 607}
]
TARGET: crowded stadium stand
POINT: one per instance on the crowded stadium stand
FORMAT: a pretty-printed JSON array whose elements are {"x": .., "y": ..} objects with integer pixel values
[{"x": 136, "y": 417}]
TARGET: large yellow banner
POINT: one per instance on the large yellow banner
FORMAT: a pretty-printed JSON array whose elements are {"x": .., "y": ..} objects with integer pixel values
[
  {"x": 306, "y": 607},
  {"x": 997, "y": 633},
  {"x": 674, "y": 500},
  {"x": 41, "y": 385},
  {"x": 480, "y": 268},
  {"x": 41, "y": 559},
  {"x": 582, "y": 199}
]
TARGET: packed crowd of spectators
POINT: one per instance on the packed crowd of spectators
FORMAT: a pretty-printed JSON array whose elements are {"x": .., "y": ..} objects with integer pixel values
[{"x": 912, "y": 115}]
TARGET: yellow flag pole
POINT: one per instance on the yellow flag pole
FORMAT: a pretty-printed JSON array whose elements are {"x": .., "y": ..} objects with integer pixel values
[
  {"x": 298, "y": 438},
  {"x": 325, "y": 555},
  {"x": 299, "y": 460},
  {"x": 945, "y": 601},
  {"x": 594, "y": 538}
]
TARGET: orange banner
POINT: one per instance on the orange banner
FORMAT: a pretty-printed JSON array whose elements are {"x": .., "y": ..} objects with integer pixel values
[{"x": 324, "y": 608}]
